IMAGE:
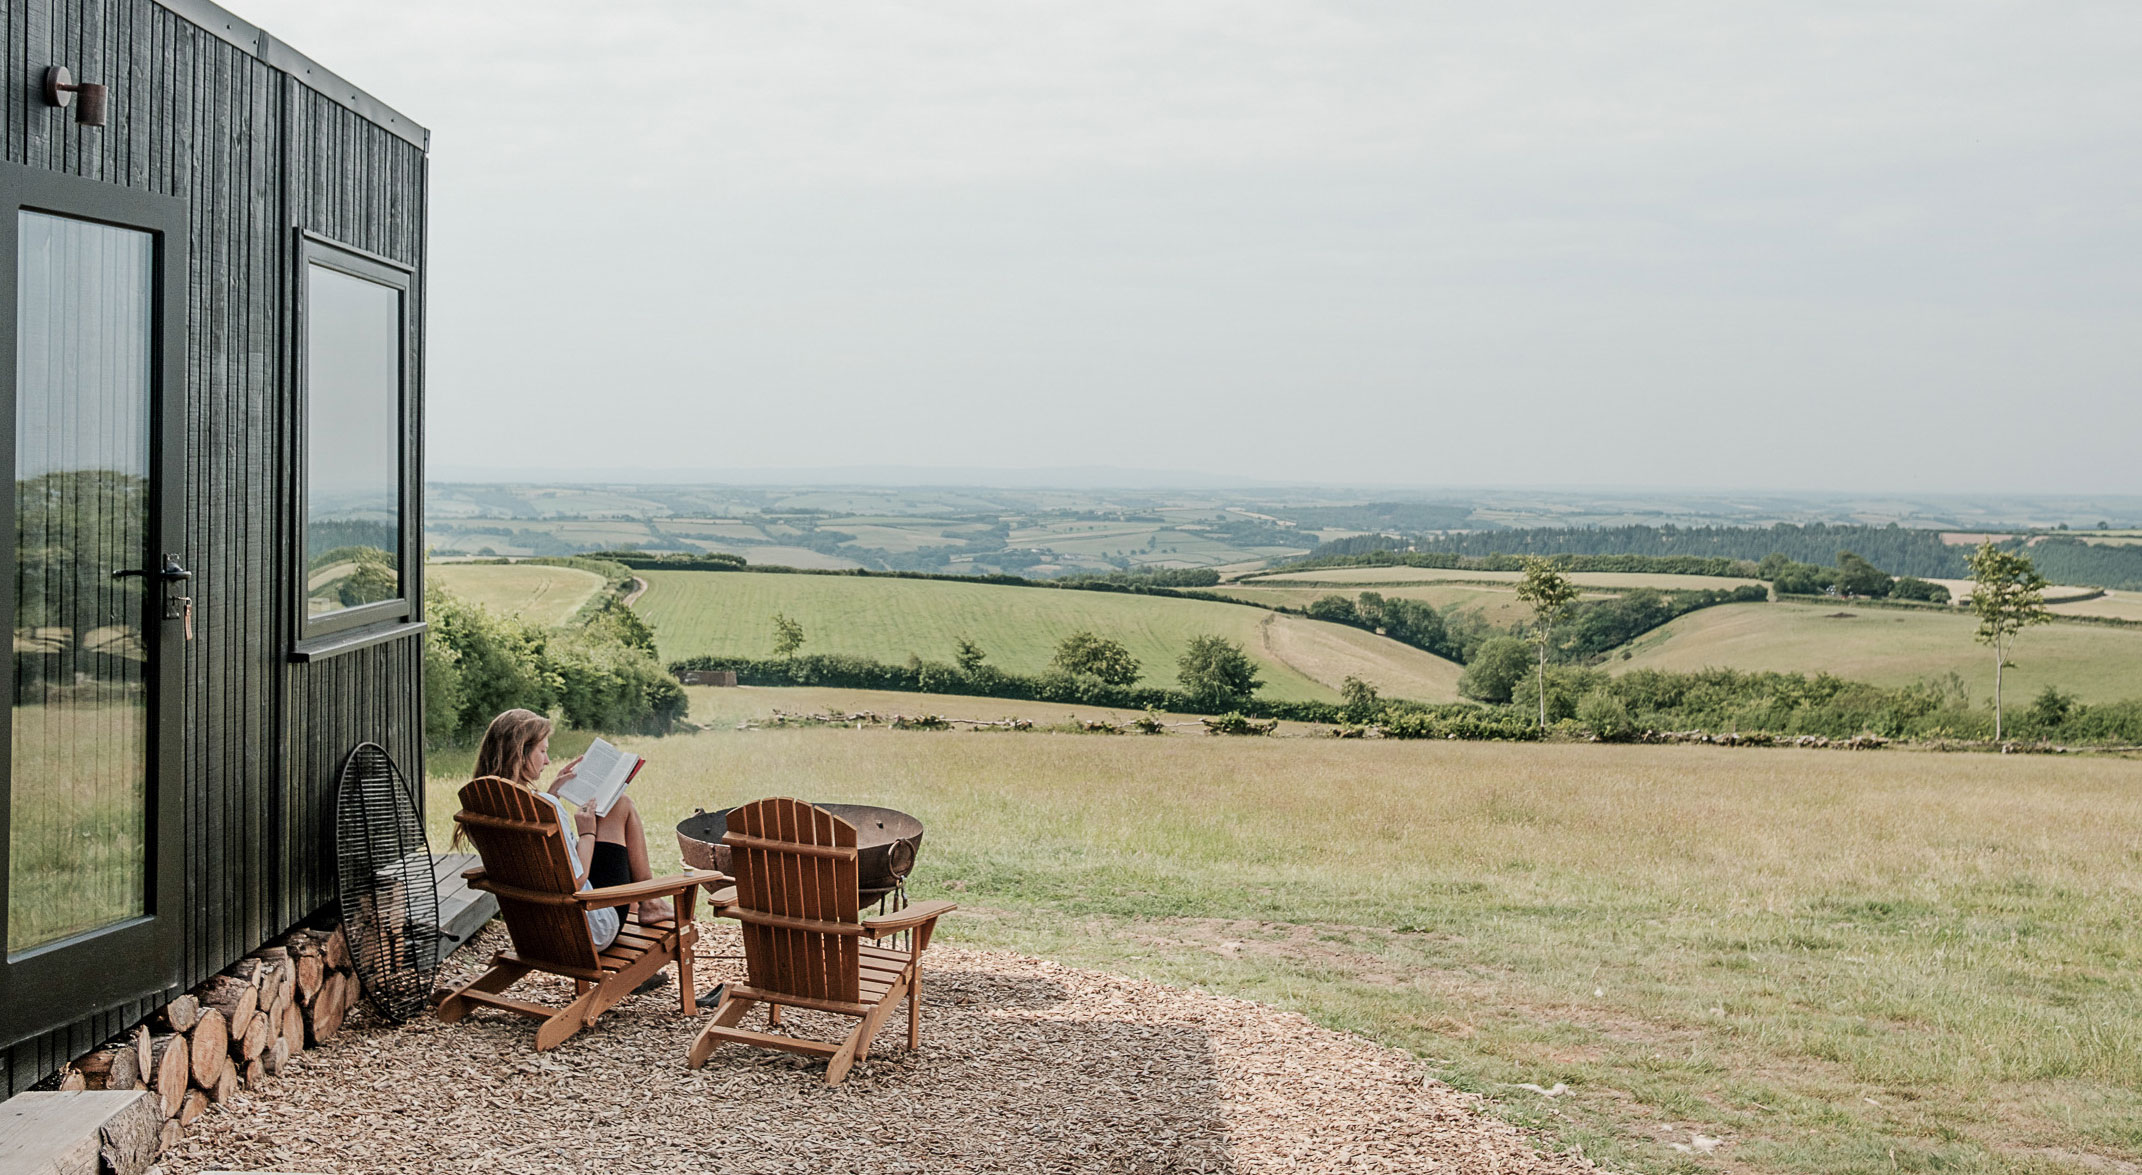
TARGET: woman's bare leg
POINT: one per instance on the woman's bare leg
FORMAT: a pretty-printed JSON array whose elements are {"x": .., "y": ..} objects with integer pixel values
[{"x": 622, "y": 827}]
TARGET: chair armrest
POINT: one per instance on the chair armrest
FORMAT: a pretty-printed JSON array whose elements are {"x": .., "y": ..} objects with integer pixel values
[
  {"x": 639, "y": 891},
  {"x": 908, "y": 919}
]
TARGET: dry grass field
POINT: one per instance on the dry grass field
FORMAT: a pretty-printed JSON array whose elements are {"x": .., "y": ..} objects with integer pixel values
[
  {"x": 2117, "y": 605},
  {"x": 1828, "y": 962},
  {"x": 536, "y": 593},
  {"x": 1894, "y": 646}
]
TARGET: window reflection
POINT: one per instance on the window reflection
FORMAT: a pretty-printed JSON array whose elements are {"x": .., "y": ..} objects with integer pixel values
[
  {"x": 78, "y": 758},
  {"x": 353, "y": 444}
]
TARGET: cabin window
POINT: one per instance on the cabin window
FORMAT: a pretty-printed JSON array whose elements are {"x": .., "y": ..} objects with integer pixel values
[{"x": 357, "y": 532}]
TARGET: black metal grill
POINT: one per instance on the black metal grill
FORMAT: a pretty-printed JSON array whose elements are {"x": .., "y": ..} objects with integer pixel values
[{"x": 388, "y": 896}]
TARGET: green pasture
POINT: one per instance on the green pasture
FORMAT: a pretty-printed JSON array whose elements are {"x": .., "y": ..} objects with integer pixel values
[
  {"x": 536, "y": 593},
  {"x": 1830, "y": 962},
  {"x": 1894, "y": 646},
  {"x": 696, "y": 612}
]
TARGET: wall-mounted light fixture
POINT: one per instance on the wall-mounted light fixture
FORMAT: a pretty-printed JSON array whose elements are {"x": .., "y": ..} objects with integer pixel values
[{"x": 60, "y": 90}]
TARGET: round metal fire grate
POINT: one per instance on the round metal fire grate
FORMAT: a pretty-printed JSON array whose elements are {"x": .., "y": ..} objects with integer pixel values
[{"x": 388, "y": 897}]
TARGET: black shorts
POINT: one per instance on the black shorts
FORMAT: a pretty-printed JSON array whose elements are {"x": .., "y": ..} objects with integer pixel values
[{"x": 612, "y": 866}]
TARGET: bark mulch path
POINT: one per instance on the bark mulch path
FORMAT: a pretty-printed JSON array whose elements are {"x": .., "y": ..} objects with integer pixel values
[{"x": 1025, "y": 1066}]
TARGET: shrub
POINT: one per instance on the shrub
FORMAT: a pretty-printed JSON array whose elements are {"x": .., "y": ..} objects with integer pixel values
[
  {"x": 1605, "y": 716},
  {"x": 1233, "y": 722},
  {"x": 1910, "y": 587}
]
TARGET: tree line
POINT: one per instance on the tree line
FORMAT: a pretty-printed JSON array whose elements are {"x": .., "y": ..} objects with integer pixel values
[{"x": 1903, "y": 550}]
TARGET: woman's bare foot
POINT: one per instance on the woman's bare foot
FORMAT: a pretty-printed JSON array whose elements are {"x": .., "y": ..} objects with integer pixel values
[{"x": 654, "y": 911}]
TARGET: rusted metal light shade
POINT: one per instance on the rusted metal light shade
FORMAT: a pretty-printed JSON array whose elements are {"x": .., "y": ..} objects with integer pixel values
[{"x": 61, "y": 91}]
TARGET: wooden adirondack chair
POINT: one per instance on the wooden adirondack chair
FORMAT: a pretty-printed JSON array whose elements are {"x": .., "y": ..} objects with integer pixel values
[
  {"x": 526, "y": 865},
  {"x": 804, "y": 938}
]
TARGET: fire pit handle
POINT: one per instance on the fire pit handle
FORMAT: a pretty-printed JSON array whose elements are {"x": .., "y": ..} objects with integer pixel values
[{"x": 900, "y": 858}]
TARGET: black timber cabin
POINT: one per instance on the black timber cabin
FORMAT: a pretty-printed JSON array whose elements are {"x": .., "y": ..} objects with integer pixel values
[{"x": 211, "y": 346}]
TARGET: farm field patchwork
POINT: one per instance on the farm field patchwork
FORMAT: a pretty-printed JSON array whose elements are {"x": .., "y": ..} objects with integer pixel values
[
  {"x": 1828, "y": 962},
  {"x": 538, "y": 593},
  {"x": 888, "y": 619},
  {"x": 1893, "y": 646}
]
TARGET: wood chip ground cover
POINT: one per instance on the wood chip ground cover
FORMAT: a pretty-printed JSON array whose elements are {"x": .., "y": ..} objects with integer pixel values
[{"x": 1025, "y": 1066}]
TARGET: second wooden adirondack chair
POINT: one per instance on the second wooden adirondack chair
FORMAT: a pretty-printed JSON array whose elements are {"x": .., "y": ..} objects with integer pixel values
[
  {"x": 804, "y": 937},
  {"x": 525, "y": 863}
]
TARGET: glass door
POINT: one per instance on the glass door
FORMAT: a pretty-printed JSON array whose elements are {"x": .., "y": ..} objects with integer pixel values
[{"x": 97, "y": 597}]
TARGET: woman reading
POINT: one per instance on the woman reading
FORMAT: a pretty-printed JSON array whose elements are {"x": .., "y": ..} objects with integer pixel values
[{"x": 605, "y": 850}]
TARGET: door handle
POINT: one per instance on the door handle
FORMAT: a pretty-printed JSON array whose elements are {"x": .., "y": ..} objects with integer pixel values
[{"x": 171, "y": 572}]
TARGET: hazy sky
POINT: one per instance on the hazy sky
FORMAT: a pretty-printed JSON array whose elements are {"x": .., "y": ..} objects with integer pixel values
[{"x": 1797, "y": 245}]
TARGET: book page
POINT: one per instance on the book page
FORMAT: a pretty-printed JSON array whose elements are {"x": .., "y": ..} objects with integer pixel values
[{"x": 596, "y": 767}]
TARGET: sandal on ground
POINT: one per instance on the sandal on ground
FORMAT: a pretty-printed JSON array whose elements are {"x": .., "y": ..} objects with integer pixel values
[
  {"x": 654, "y": 982},
  {"x": 710, "y": 1000}
]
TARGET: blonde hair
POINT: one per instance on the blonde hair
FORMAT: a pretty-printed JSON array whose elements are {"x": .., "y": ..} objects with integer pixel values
[{"x": 507, "y": 743}]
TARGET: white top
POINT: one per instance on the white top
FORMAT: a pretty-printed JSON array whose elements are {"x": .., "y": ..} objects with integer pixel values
[{"x": 603, "y": 922}]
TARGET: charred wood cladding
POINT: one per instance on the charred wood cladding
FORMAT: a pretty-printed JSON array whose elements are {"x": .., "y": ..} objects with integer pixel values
[{"x": 211, "y": 346}]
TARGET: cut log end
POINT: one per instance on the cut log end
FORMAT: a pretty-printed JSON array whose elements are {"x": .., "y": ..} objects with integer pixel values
[
  {"x": 210, "y": 1052},
  {"x": 170, "y": 1071},
  {"x": 180, "y": 1013}
]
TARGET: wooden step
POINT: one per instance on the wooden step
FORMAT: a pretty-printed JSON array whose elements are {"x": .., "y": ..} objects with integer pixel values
[
  {"x": 462, "y": 911},
  {"x": 65, "y": 1133}
]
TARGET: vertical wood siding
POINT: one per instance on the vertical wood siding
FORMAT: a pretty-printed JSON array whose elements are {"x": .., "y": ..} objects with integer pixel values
[{"x": 258, "y": 157}]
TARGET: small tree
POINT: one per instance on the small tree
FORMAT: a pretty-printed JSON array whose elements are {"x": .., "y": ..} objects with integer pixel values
[
  {"x": 787, "y": 636},
  {"x": 1095, "y": 656},
  {"x": 1550, "y": 593},
  {"x": 1216, "y": 672},
  {"x": 1362, "y": 701},
  {"x": 969, "y": 656},
  {"x": 2007, "y": 596}
]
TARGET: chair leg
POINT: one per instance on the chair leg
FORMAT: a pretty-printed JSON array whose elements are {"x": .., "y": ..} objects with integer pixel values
[
  {"x": 570, "y": 1019},
  {"x": 875, "y": 1019},
  {"x": 844, "y": 1060},
  {"x": 914, "y": 1012},
  {"x": 689, "y": 1001},
  {"x": 732, "y": 1009},
  {"x": 500, "y": 977}
]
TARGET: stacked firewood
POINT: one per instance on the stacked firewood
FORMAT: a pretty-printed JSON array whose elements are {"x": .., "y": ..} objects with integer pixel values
[{"x": 232, "y": 1032}]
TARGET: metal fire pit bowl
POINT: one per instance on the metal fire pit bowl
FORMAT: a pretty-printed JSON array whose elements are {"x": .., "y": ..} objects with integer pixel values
[{"x": 885, "y": 842}]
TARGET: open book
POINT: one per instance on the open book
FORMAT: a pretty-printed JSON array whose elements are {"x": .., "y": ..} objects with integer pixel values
[{"x": 601, "y": 778}]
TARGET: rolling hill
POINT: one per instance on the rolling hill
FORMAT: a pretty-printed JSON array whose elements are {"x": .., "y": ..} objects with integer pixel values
[
  {"x": 1893, "y": 646},
  {"x": 696, "y": 612},
  {"x": 536, "y": 593}
]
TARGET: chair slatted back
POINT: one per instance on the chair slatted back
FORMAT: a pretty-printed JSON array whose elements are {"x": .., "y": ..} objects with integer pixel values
[
  {"x": 811, "y": 886},
  {"x": 523, "y": 846}
]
